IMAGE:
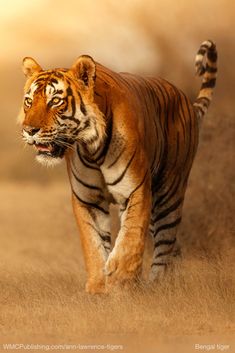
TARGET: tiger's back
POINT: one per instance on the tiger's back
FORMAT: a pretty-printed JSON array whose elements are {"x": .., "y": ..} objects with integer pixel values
[
  {"x": 161, "y": 118},
  {"x": 126, "y": 139}
]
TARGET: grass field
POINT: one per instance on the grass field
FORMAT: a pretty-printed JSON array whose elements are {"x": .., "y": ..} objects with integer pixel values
[{"x": 42, "y": 274}]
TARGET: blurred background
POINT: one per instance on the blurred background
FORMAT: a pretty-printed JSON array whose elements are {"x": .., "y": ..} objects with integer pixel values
[
  {"x": 42, "y": 272},
  {"x": 157, "y": 37}
]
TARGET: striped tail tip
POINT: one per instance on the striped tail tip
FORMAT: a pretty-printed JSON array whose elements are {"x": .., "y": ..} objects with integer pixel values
[{"x": 206, "y": 66}]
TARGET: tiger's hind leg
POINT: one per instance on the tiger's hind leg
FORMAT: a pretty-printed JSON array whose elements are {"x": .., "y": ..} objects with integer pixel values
[{"x": 165, "y": 219}]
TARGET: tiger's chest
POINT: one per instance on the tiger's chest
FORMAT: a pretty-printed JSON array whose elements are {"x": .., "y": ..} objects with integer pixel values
[{"x": 98, "y": 185}]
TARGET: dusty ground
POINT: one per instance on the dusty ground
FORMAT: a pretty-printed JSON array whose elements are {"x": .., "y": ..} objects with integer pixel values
[{"x": 42, "y": 275}]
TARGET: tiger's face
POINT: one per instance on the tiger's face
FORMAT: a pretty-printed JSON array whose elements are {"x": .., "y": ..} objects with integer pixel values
[{"x": 59, "y": 110}]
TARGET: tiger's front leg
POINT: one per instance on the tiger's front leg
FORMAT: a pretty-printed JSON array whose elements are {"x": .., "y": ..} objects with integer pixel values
[
  {"x": 94, "y": 230},
  {"x": 125, "y": 261}
]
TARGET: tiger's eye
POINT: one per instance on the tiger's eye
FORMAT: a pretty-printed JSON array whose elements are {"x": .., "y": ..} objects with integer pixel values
[
  {"x": 28, "y": 101},
  {"x": 56, "y": 100}
]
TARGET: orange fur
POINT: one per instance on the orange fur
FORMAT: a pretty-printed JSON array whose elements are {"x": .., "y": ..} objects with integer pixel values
[{"x": 127, "y": 140}]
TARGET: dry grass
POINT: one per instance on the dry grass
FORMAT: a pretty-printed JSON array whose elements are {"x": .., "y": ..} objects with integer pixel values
[
  {"x": 42, "y": 273},
  {"x": 42, "y": 276},
  {"x": 196, "y": 298}
]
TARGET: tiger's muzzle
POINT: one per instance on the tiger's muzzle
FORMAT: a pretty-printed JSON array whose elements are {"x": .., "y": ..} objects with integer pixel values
[{"x": 53, "y": 149}]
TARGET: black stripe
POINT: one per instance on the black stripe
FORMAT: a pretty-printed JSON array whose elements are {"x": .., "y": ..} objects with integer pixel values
[
  {"x": 211, "y": 69},
  {"x": 169, "y": 110},
  {"x": 105, "y": 237},
  {"x": 158, "y": 178},
  {"x": 181, "y": 113},
  {"x": 53, "y": 80},
  {"x": 116, "y": 78},
  {"x": 202, "y": 51},
  {"x": 184, "y": 121},
  {"x": 58, "y": 91},
  {"x": 169, "y": 210},
  {"x": 160, "y": 201},
  {"x": 59, "y": 74},
  {"x": 168, "y": 226},
  {"x": 200, "y": 68},
  {"x": 204, "y": 101},
  {"x": 212, "y": 55},
  {"x": 90, "y": 204},
  {"x": 69, "y": 91},
  {"x": 124, "y": 172},
  {"x": 117, "y": 158},
  {"x": 164, "y": 253},
  {"x": 200, "y": 109},
  {"x": 109, "y": 131},
  {"x": 93, "y": 187},
  {"x": 82, "y": 105},
  {"x": 85, "y": 126},
  {"x": 205, "y": 46},
  {"x": 209, "y": 84},
  {"x": 70, "y": 117},
  {"x": 158, "y": 114},
  {"x": 86, "y": 163},
  {"x": 132, "y": 205},
  {"x": 192, "y": 140},
  {"x": 164, "y": 242},
  {"x": 70, "y": 94},
  {"x": 64, "y": 117},
  {"x": 136, "y": 188},
  {"x": 40, "y": 80},
  {"x": 159, "y": 264},
  {"x": 128, "y": 199}
]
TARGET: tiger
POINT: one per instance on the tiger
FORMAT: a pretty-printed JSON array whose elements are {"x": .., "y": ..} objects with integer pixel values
[{"x": 127, "y": 140}]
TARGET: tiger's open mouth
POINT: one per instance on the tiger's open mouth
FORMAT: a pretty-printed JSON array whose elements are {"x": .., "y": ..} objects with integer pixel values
[{"x": 49, "y": 149}]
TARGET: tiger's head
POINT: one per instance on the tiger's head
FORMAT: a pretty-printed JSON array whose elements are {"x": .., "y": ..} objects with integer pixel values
[{"x": 59, "y": 109}]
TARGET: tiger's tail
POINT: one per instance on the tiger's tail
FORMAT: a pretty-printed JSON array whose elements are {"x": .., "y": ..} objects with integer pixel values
[{"x": 206, "y": 66}]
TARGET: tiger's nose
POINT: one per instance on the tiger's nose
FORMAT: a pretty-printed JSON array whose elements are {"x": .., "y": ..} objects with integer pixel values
[{"x": 31, "y": 130}]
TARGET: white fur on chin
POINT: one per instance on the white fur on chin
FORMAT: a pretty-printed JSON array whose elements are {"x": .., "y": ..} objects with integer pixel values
[{"x": 48, "y": 161}]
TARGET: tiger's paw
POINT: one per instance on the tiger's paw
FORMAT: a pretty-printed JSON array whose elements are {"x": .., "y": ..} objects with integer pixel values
[
  {"x": 122, "y": 268},
  {"x": 157, "y": 273},
  {"x": 95, "y": 287}
]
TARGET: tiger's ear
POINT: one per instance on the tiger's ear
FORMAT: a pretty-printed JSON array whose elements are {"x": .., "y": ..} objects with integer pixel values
[
  {"x": 30, "y": 66},
  {"x": 85, "y": 69}
]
